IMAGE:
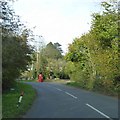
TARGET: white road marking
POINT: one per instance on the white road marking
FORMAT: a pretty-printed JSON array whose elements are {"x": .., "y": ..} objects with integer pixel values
[
  {"x": 86, "y": 104},
  {"x": 71, "y": 95},
  {"x": 98, "y": 111},
  {"x": 58, "y": 89}
]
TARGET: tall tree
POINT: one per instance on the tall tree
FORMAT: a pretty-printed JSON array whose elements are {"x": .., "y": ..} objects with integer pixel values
[
  {"x": 51, "y": 59},
  {"x": 58, "y": 46},
  {"x": 15, "y": 49},
  {"x": 51, "y": 51},
  {"x": 105, "y": 26},
  {"x": 95, "y": 55}
]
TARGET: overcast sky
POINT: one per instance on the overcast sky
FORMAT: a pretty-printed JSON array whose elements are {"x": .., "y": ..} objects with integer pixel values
[{"x": 57, "y": 20}]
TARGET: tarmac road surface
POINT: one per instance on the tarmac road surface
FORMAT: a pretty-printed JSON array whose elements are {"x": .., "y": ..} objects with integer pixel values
[{"x": 56, "y": 100}]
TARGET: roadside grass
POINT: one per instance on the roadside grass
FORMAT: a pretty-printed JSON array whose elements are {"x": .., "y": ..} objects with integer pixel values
[
  {"x": 98, "y": 90},
  {"x": 10, "y": 100}
]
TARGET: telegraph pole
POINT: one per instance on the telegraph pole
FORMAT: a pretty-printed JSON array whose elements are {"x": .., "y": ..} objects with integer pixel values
[{"x": 38, "y": 45}]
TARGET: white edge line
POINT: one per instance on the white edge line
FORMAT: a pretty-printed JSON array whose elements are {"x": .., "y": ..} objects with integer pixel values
[
  {"x": 71, "y": 95},
  {"x": 98, "y": 111}
]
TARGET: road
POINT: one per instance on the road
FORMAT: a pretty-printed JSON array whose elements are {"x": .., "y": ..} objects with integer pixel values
[{"x": 56, "y": 100}]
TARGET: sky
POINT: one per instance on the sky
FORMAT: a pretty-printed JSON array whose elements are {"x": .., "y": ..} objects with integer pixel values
[{"x": 57, "y": 20}]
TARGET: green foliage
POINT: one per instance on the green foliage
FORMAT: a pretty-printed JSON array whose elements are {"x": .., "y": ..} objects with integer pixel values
[
  {"x": 43, "y": 65},
  {"x": 104, "y": 26},
  {"x": 15, "y": 49},
  {"x": 58, "y": 47},
  {"x": 57, "y": 67},
  {"x": 51, "y": 60},
  {"x": 93, "y": 59},
  {"x": 51, "y": 51}
]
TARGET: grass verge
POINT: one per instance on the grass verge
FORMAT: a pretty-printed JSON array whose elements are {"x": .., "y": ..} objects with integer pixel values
[
  {"x": 98, "y": 90},
  {"x": 10, "y": 100}
]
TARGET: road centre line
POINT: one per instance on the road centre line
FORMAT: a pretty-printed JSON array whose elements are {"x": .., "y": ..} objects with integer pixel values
[
  {"x": 86, "y": 104},
  {"x": 71, "y": 95},
  {"x": 67, "y": 93},
  {"x": 99, "y": 111},
  {"x": 58, "y": 89}
]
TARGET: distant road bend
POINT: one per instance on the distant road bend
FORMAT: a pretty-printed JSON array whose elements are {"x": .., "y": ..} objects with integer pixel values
[{"x": 60, "y": 101}]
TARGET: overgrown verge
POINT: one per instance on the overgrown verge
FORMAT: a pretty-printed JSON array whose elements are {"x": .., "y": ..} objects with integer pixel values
[
  {"x": 10, "y": 100},
  {"x": 110, "y": 92}
]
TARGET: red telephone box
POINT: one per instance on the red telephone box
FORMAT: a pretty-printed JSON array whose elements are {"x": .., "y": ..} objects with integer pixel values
[{"x": 40, "y": 78}]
